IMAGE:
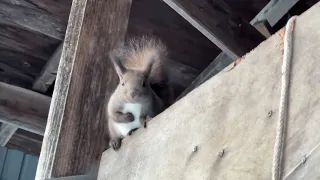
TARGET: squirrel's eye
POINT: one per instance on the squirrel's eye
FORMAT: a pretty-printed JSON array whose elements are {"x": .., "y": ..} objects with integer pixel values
[
  {"x": 144, "y": 84},
  {"x": 122, "y": 84}
]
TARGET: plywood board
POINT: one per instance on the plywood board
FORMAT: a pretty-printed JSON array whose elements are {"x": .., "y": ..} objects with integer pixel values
[{"x": 227, "y": 119}]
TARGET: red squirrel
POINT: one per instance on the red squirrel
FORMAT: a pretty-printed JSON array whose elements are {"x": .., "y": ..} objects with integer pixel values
[{"x": 139, "y": 63}]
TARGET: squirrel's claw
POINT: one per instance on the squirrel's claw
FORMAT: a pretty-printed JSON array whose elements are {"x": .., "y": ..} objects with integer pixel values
[{"x": 145, "y": 121}]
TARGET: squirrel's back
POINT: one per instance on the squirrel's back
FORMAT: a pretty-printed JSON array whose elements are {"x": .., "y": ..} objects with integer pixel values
[{"x": 137, "y": 52}]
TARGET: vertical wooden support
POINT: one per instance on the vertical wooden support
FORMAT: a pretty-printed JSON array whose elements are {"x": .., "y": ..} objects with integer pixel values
[{"x": 73, "y": 141}]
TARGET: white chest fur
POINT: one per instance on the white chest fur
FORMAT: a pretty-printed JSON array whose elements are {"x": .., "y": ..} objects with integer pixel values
[{"x": 135, "y": 109}]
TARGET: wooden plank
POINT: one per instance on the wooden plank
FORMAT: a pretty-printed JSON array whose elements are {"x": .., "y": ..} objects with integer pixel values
[
  {"x": 223, "y": 60},
  {"x": 3, "y": 154},
  {"x": 26, "y": 142},
  {"x": 23, "y": 108},
  {"x": 12, "y": 165},
  {"x": 27, "y": 42},
  {"x": 29, "y": 167},
  {"x": 6, "y": 132},
  {"x": 73, "y": 141},
  {"x": 15, "y": 61},
  {"x": 81, "y": 177},
  {"x": 264, "y": 28},
  {"x": 274, "y": 11},
  {"x": 223, "y": 129},
  {"x": 217, "y": 65},
  {"x": 31, "y": 18},
  {"x": 233, "y": 36},
  {"x": 48, "y": 72}
]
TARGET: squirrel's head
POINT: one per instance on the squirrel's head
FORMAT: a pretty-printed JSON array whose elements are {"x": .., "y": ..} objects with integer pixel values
[{"x": 133, "y": 84}]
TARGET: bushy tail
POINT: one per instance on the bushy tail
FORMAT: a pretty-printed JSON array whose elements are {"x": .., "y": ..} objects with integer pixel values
[{"x": 137, "y": 53}]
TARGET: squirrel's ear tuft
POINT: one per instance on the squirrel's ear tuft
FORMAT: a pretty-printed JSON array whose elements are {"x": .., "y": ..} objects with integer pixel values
[{"x": 116, "y": 60}]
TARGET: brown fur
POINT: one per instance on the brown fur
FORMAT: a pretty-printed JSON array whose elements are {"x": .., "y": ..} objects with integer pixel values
[
  {"x": 138, "y": 64},
  {"x": 137, "y": 52}
]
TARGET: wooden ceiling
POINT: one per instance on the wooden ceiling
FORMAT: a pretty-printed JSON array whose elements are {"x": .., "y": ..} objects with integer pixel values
[{"x": 32, "y": 30}]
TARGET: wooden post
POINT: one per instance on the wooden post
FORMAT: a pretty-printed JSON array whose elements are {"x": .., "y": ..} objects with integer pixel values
[
  {"x": 74, "y": 136},
  {"x": 233, "y": 36}
]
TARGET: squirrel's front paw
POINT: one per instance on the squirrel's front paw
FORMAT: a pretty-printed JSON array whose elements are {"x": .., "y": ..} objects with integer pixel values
[
  {"x": 146, "y": 120},
  {"x": 115, "y": 144}
]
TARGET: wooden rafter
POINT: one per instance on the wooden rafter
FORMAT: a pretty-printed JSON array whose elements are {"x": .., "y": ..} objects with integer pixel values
[
  {"x": 23, "y": 108},
  {"x": 233, "y": 36},
  {"x": 49, "y": 72},
  {"x": 29, "y": 16},
  {"x": 73, "y": 141}
]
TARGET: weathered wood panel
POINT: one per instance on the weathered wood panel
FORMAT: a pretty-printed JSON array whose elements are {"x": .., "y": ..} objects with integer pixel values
[
  {"x": 74, "y": 136},
  {"x": 23, "y": 14},
  {"x": 228, "y": 120},
  {"x": 217, "y": 65},
  {"x": 232, "y": 35},
  {"x": 23, "y": 108},
  {"x": 6, "y": 132},
  {"x": 26, "y": 42},
  {"x": 48, "y": 72},
  {"x": 19, "y": 63},
  {"x": 21, "y": 166},
  {"x": 26, "y": 142},
  {"x": 12, "y": 165}
]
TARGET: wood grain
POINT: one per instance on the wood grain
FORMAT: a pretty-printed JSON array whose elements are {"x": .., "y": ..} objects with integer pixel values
[
  {"x": 217, "y": 65},
  {"x": 23, "y": 108},
  {"x": 48, "y": 72},
  {"x": 28, "y": 16},
  {"x": 74, "y": 137},
  {"x": 27, "y": 42},
  {"x": 6, "y": 132},
  {"x": 232, "y": 35},
  {"x": 26, "y": 142}
]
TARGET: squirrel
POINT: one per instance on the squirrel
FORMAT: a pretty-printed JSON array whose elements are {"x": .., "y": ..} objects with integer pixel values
[{"x": 139, "y": 64}]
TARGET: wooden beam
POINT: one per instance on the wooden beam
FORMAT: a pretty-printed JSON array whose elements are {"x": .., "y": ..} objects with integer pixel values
[
  {"x": 6, "y": 132},
  {"x": 26, "y": 142},
  {"x": 32, "y": 18},
  {"x": 223, "y": 60},
  {"x": 233, "y": 36},
  {"x": 23, "y": 108},
  {"x": 264, "y": 28},
  {"x": 217, "y": 65},
  {"x": 74, "y": 137},
  {"x": 274, "y": 11},
  {"x": 49, "y": 72},
  {"x": 81, "y": 177}
]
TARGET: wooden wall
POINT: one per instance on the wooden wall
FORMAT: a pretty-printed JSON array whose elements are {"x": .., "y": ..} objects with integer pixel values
[{"x": 16, "y": 165}]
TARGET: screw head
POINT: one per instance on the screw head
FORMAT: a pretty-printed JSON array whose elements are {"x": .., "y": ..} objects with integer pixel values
[
  {"x": 221, "y": 153},
  {"x": 195, "y": 149}
]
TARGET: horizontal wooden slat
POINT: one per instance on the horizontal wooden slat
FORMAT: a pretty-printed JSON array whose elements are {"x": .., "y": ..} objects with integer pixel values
[
  {"x": 23, "y": 108},
  {"x": 26, "y": 142},
  {"x": 27, "y": 42},
  {"x": 23, "y": 14}
]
